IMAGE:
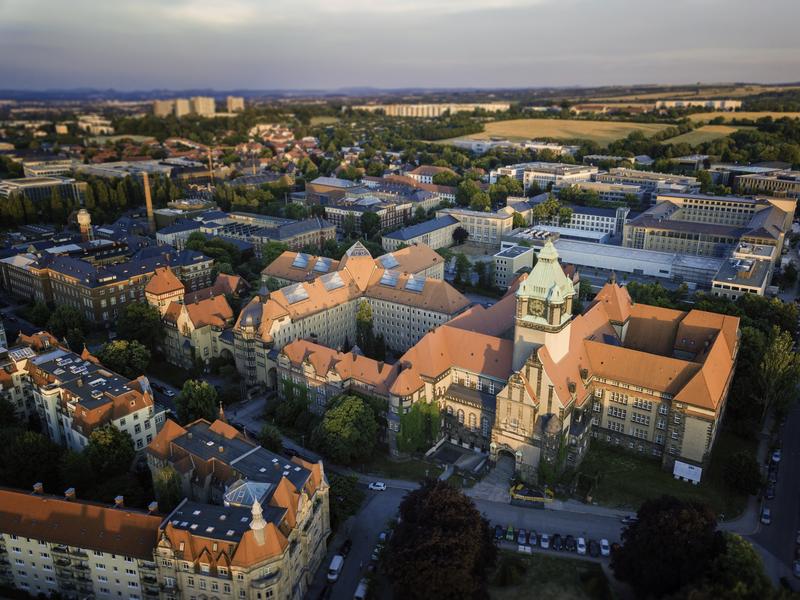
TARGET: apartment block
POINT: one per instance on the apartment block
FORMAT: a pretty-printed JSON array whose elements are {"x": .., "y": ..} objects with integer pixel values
[
  {"x": 487, "y": 228},
  {"x": 784, "y": 184},
  {"x": 351, "y": 210},
  {"x": 163, "y": 108},
  {"x": 431, "y": 110},
  {"x": 204, "y": 106},
  {"x": 509, "y": 262},
  {"x": 544, "y": 174},
  {"x": 234, "y": 104},
  {"x": 436, "y": 233},
  {"x": 650, "y": 182}
]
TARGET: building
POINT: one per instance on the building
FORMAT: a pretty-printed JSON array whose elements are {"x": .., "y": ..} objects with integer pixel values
[
  {"x": 62, "y": 545},
  {"x": 348, "y": 212},
  {"x": 95, "y": 125},
  {"x": 293, "y": 267},
  {"x": 544, "y": 174},
  {"x": 708, "y": 225},
  {"x": 509, "y": 262},
  {"x": 41, "y": 189},
  {"x": 426, "y": 173},
  {"x": 98, "y": 291},
  {"x": 430, "y": 110},
  {"x": 486, "y": 228},
  {"x": 784, "y": 184},
  {"x": 403, "y": 308},
  {"x": 253, "y": 524},
  {"x": 617, "y": 193},
  {"x": 163, "y": 108},
  {"x": 203, "y": 106},
  {"x": 193, "y": 327},
  {"x": 650, "y": 182},
  {"x": 258, "y": 230},
  {"x": 182, "y": 107},
  {"x": 712, "y": 104},
  {"x": 590, "y": 218},
  {"x": 57, "y": 167},
  {"x": 436, "y": 233},
  {"x": 526, "y": 381},
  {"x": 327, "y": 190},
  {"x": 234, "y": 104}
]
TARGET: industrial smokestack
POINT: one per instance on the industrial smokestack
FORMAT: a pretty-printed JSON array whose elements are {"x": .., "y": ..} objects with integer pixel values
[
  {"x": 85, "y": 225},
  {"x": 148, "y": 202}
]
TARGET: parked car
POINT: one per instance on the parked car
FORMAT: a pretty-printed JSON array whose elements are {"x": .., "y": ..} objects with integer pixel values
[
  {"x": 376, "y": 551},
  {"x": 766, "y": 516},
  {"x": 532, "y": 538},
  {"x": 769, "y": 493},
  {"x": 557, "y": 543},
  {"x": 776, "y": 456},
  {"x": 773, "y": 473},
  {"x": 628, "y": 520},
  {"x": 169, "y": 393},
  {"x": 377, "y": 486},
  {"x": 605, "y": 549},
  {"x": 581, "y": 546},
  {"x": 544, "y": 541},
  {"x": 499, "y": 532},
  {"x": 569, "y": 544},
  {"x": 361, "y": 590},
  {"x": 384, "y": 536},
  {"x": 346, "y": 546},
  {"x": 594, "y": 549},
  {"x": 510, "y": 534},
  {"x": 522, "y": 537},
  {"x": 335, "y": 568}
]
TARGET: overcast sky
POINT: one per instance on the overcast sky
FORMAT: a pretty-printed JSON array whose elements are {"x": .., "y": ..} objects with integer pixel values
[{"x": 304, "y": 44}]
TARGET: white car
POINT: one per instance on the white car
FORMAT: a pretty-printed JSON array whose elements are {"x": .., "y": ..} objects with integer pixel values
[
  {"x": 776, "y": 456},
  {"x": 169, "y": 393},
  {"x": 544, "y": 541},
  {"x": 766, "y": 516},
  {"x": 581, "y": 546},
  {"x": 378, "y": 486},
  {"x": 605, "y": 548}
]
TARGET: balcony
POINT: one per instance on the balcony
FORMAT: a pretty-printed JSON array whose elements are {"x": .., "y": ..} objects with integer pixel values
[
  {"x": 59, "y": 549},
  {"x": 265, "y": 581},
  {"x": 62, "y": 562}
]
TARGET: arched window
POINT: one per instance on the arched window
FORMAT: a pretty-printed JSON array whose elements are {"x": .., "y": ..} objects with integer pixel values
[
  {"x": 485, "y": 426},
  {"x": 473, "y": 421},
  {"x": 449, "y": 410},
  {"x": 460, "y": 417}
]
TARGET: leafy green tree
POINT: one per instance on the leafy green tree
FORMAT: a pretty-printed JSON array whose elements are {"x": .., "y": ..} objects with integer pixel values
[
  {"x": 517, "y": 220},
  {"x": 672, "y": 545},
  {"x": 141, "y": 322},
  {"x": 365, "y": 334},
  {"x": 128, "y": 358},
  {"x": 110, "y": 451},
  {"x": 345, "y": 498},
  {"x": 742, "y": 473},
  {"x": 27, "y": 457},
  {"x": 419, "y": 427},
  {"x": 67, "y": 321},
  {"x": 272, "y": 250},
  {"x": 197, "y": 400},
  {"x": 370, "y": 224},
  {"x": 463, "y": 266},
  {"x": 270, "y": 438},
  {"x": 779, "y": 372},
  {"x": 348, "y": 431},
  {"x": 442, "y": 547},
  {"x": 8, "y": 413},
  {"x": 446, "y": 178},
  {"x": 77, "y": 471},
  {"x": 480, "y": 201},
  {"x": 736, "y": 573},
  {"x": 460, "y": 235},
  {"x": 349, "y": 226},
  {"x": 167, "y": 487}
]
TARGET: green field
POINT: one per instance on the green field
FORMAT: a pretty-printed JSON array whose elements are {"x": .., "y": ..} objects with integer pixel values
[
  {"x": 738, "y": 115},
  {"x": 627, "y": 479},
  {"x": 324, "y": 120},
  {"x": 548, "y": 576},
  {"x": 602, "y": 132},
  {"x": 701, "y": 135}
]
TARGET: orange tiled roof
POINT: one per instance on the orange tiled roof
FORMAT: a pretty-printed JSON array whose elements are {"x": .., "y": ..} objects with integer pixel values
[{"x": 163, "y": 281}]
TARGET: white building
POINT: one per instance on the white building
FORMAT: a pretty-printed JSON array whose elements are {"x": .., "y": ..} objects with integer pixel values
[{"x": 544, "y": 174}]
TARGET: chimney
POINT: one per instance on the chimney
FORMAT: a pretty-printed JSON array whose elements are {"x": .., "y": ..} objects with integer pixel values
[
  {"x": 221, "y": 449},
  {"x": 119, "y": 502},
  {"x": 79, "y": 382},
  {"x": 152, "y": 508},
  {"x": 148, "y": 201},
  {"x": 69, "y": 494},
  {"x": 38, "y": 488}
]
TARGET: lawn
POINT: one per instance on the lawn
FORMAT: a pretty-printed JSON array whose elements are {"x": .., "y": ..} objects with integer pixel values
[
  {"x": 739, "y": 91},
  {"x": 741, "y": 115},
  {"x": 553, "y": 577},
  {"x": 602, "y": 132},
  {"x": 412, "y": 469},
  {"x": 628, "y": 479},
  {"x": 701, "y": 135},
  {"x": 324, "y": 120}
]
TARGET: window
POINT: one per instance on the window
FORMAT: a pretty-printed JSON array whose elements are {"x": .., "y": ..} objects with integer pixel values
[
  {"x": 460, "y": 417},
  {"x": 619, "y": 413}
]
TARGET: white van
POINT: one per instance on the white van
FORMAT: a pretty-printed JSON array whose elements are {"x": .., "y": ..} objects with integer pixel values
[
  {"x": 361, "y": 590},
  {"x": 337, "y": 562}
]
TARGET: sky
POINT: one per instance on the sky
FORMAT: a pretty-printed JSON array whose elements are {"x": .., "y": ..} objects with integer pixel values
[{"x": 333, "y": 44}]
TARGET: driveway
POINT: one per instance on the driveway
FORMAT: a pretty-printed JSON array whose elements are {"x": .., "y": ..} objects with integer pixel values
[{"x": 496, "y": 483}]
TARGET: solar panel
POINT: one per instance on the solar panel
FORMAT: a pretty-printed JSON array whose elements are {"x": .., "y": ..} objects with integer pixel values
[
  {"x": 295, "y": 293},
  {"x": 332, "y": 281},
  {"x": 301, "y": 260},
  {"x": 388, "y": 261},
  {"x": 390, "y": 278},
  {"x": 415, "y": 283},
  {"x": 323, "y": 265}
]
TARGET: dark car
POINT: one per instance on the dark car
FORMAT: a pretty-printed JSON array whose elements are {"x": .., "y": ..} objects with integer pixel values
[
  {"x": 769, "y": 493},
  {"x": 499, "y": 532},
  {"x": 569, "y": 544},
  {"x": 346, "y": 546},
  {"x": 594, "y": 548},
  {"x": 557, "y": 543}
]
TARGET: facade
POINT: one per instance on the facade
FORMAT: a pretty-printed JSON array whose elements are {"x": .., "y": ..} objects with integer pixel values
[
  {"x": 404, "y": 307},
  {"x": 436, "y": 233},
  {"x": 204, "y": 106},
  {"x": 327, "y": 190},
  {"x": 618, "y": 193},
  {"x": 650, "y": 182},
  {"x": 430, "y": 110},
  {"x": 426, "y": 173},
  {"x": 509, "y": 262},
  {"x": 391, "y": 214},
  {"x": 487, "y": 228},
  {"x": 713, "y": 104},
  {"x": 782, "y": 184},
  {"x": 234, "y": 104},
  {"x": 58, "y": 167},
  {"x": 99, "y": 292},
  {"x": 258, "y": 230},
  {"x": 163, "y": 108},
  {"x": 707, "y": 225},
  {"x": 41, "y": 189},
  {"x": 253, "y": 525},
  {"x": 544, "y": 174},
  {"x": 182, "y": 107},
  {"x": 52, "y": 544}
]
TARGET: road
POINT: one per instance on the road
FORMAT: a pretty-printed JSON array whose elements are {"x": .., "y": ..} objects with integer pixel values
[{"x": 778, "y": 538}]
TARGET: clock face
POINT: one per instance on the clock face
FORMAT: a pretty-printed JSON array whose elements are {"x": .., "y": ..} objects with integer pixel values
[{"x": 535, "y": 308}]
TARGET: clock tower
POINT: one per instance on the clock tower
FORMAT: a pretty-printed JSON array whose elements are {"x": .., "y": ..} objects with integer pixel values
[{"x": 544, "y": 309}]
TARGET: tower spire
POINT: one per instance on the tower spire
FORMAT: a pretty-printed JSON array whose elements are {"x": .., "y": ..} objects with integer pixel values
[{"x": 257, "y": 524}]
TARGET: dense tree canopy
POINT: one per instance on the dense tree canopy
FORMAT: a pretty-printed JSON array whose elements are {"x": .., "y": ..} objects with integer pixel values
[
  {"x": 110, "y": 451},
  {"x": 348, "y": 431},
  {"x": 141, "y": 322},
  {"x": 197, "y": 400},
  {"x": 442, "y": 547},
  {"x": 128, "y": 358}
]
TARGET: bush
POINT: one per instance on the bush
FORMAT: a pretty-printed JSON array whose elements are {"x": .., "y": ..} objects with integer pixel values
[{"x": 742, "y": 473}]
